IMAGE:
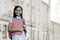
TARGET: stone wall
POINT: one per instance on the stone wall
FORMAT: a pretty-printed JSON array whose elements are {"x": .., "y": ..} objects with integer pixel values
[{"x": 37, "y": 18}]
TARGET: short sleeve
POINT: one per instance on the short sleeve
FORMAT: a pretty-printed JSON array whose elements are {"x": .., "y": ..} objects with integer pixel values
[
  {"x": 24, "y": 21},
  {"x": 10, "y": 19}
]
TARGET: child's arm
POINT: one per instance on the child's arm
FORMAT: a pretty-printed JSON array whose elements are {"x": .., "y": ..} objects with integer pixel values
[
  {"x": 12, "y": 29},
  {"x": 24, "y": 28}
]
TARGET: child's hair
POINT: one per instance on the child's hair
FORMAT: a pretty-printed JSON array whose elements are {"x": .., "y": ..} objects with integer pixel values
[{"x": 14, "y": 14}]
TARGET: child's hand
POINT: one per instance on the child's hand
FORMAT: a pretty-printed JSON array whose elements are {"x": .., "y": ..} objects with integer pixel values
[{"x": 20, "y": 29}]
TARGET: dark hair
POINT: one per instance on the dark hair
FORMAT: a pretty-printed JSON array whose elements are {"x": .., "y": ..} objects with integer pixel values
[{"x": 14, "y": 14}]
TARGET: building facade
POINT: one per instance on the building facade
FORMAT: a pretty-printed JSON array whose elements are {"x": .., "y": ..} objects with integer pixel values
[
  {"x": 35, "y": 13},
  {"x": 37, "y": 18}
]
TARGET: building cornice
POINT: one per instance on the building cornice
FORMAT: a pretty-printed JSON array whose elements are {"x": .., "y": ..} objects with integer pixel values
[{"x": 4, "y": 20}]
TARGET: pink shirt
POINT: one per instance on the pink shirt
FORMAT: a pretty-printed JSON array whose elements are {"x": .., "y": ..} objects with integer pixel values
[{"x": 17, "y": 23}]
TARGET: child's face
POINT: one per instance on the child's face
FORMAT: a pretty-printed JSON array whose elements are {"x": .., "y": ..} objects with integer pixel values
[{"x": 18, "y": 11}]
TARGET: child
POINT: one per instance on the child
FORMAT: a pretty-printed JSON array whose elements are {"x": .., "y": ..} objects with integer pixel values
[{"x": 16, "y": 27}]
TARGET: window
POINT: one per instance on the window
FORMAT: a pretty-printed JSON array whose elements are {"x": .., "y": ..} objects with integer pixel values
[
  {"x": 4, "y": 32},
  {"x": 33, "y": 34},
  {"x": 44, "y": 12},
  {"x": 37, "y": 35},
  {"x": 0, "y": 27}
]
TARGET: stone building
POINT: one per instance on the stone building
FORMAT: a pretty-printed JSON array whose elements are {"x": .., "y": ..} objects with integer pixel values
[
  {"x": 37, "y": 18},
  {"x": 35, "y": 13}
]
